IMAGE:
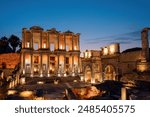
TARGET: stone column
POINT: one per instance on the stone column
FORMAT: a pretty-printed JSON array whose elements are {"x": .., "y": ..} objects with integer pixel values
[
  {"x": 23, "y": 63},
  {"x": 79, "y": 63},
  {"x": 123, "y": 93},
  {"x": 58, "y": 41},
  {"x": 41, "y": 40},
  {"x": 78, "y": 44},
  {"x": 48, "y": 41},
  {"x": 31, "y": 44},
  {"x": 23, "y": 36},
  {"x": 65, "y": 41},
  {"x": 58, "y": 61},
  {"x": 73, "y": 68},
  {"x": 73, "y": 61},
  {"x": 72, "y": 43},
  {"x": 64, "y": 65},
  {"x": 31, "y": 65},
  {"x": 58, "y": 68},
  {"x": 41, "y": 66},
  {"x": 92, "y": 74},
  {"x": 145, "y": 45},
  {"x": 48, "y": 65}
]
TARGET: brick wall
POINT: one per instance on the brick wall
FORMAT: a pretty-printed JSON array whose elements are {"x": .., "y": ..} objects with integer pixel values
[{"x": 9, "y": 60}]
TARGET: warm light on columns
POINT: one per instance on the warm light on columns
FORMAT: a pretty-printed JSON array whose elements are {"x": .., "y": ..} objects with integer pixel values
[
  {"x": 23, "y": 71},
  {"x": 73, "y": 74},
  {"x": 89, "y": 54},
  {"x": 65, "y": 74},
  {"x": 41, "y": 75},
  {"x": 35, "y": 69},
  {"x": 105, "y": 51},
  {"x": 142, "y": 68},
  {"x": 112, "y": 49},
  {"x": 75, "y": 48},
  {"x": 44, "y": 45},
  {"x": 59, "y": 75},
  {"x": 92, "y": 80},
  {"x": 48, "y": 74},
  {"x": 28, "y": 44},
  {"x": 85, "y": 79},
  {"x": 86, "y": 53},
  {"x": 82, "y": 78},
  {"x": 31, "y": 75},
  {"x": 22, "y": 80},
  {"x": 61, "y": 47},
  {"x": 27, "y": 61}
]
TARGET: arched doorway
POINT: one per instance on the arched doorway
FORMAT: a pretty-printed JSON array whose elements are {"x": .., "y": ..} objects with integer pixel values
[
  {"x": 88, "y": 74},
  {"x": 109, "y": 73}
]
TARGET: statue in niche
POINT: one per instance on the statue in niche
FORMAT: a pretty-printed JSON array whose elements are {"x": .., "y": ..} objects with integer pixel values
[{"x": 36, "y": 59}]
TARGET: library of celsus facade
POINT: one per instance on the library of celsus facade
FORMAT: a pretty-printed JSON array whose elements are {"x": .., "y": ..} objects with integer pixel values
[{"x": 48, "y": 53}]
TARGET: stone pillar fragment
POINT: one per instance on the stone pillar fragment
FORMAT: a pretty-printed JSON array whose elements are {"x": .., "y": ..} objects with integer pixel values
[
  {"x": 144, "y": 64},
  {"x": 145, "y": 45},
  {"x": 32, "y": 65},
  {"x": 123, "y": 93}
]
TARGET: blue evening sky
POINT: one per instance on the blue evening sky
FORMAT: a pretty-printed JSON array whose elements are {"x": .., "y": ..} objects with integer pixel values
[{"x": 100, "y": 22}]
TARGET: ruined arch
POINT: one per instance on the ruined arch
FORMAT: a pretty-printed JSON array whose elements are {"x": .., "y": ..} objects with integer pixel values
[
  {"x": 109, "y": 73},
  {"x": 87, "y": 73}
]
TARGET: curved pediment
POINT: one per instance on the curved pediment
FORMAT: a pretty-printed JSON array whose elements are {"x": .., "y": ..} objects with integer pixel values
[{"x": 36, "y": 28}]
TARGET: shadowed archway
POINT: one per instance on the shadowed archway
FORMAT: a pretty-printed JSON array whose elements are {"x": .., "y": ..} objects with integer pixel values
[
  {"x": 109, "y": 73},
  {"x": 88, "y": 73}
]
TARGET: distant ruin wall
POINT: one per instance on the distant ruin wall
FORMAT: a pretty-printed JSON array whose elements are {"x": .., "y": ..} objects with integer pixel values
[
  {"x": 128, "y": 61},
  {"x": 9, "y": 60}
]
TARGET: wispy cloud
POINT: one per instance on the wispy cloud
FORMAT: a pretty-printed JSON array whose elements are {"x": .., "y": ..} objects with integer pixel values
[
  {"x": 124, "y": 42},
  {"x": 125, "y": 38}
]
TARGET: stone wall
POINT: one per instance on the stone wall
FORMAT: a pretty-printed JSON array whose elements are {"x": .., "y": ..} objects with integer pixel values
[
  {"x": 9, "y": 61},
  {"x": 123, "y": 63},
  {"x": 110, "y": 60},
  {"x": 128, "y": 61}
]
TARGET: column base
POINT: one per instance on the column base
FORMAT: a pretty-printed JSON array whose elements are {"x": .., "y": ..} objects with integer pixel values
[
  {"x": 41, "y": 75},
  {"x": 31, "y": 75},
  {"x": 82, "y": 78},
  {"x": 92, "y": 80},
  {"x": 73, "y": 74},
  {"x": 65, "y": 75},
  {"x": 58, "y": 75},
  {"x": 23, "y": 71},
  {"x": 48, "y": 75},
  {"x": 22, "y": 81}
]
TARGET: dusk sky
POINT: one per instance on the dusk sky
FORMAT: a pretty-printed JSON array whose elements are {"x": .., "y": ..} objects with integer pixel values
[{"x": 100, "y": 22}]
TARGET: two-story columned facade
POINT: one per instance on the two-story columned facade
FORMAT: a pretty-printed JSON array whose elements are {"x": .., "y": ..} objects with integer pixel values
[{"x": 47, "y": 53}]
